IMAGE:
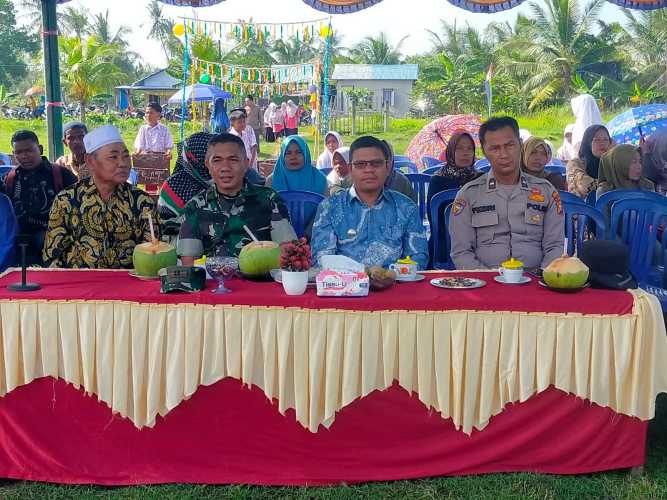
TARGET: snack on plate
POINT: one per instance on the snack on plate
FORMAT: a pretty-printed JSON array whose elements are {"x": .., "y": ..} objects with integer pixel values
[{"x": 459, "y": 282}]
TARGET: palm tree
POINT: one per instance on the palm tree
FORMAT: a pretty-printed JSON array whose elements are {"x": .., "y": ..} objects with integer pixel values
[
  {"x": 646, "y": 44},
  {"x": 293, "y": 51},
  {"x": 102, "y": 30},
  {"x": 377, "y": 50},
  {"x": 32, "y": 15},
  {"x": 87, "y": 69},
  {"x": 74, "y": 22},
  {"x": 161, "y": 28},
  {"x": 553, "y": 47}
]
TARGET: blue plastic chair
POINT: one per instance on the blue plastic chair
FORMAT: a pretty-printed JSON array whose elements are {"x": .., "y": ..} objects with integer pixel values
[
  {"x": 429, "y": 161},
  {"x": 635, "y": 222},
  {"x": 296, "y": 203},
  {"x": 570, "y": 198},
  {"x": 432, "y": 170},
  {"x": 581, "y": 223},
  {"x": 556, "y": 162},
  {"x": 401, "y": 158},
  {"x": 8, "y": 232},
  {"x": 482, "y": 165},
  {"x": 606, "y": 201},
  {"x": 405, "y": 166},
  {"x": 420, "y": 185},
  {"x": 555, "y": 169},
  {"x": 326, "y": 170},
  {"x": 591, "y": 198},
  {"x": 4, "y": 170},
  {"x": 441, "y": 204}
]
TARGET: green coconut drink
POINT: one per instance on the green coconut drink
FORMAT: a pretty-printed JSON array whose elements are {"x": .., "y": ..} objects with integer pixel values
[
  {"x": 566, "y": 273},
  {"x": 258, "y": 258},
  {"x": 148, "y": 258}
]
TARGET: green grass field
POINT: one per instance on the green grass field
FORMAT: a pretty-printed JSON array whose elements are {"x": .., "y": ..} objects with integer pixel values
[
  {"x": 617, "y": 485},
  {"x": 548, "y": 124}
]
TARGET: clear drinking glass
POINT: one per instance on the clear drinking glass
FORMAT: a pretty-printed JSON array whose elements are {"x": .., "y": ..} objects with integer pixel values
[{"x": 222, "y": 268}]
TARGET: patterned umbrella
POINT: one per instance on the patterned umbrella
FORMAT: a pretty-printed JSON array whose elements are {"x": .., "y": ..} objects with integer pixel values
[
  {"x": 340, "y": 6},
  {"x": 432, "y": 139},
  {"x": 624, "y": 128}
]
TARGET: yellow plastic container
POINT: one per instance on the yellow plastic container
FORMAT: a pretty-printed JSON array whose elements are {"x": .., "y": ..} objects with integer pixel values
[{"x": 512, "y": 263}]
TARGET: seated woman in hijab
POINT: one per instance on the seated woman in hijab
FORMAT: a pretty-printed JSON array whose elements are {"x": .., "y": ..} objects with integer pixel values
[
  {"x": 339, "y": 178},
  {"x": 190, "y": 177},
  {"x": 536, "y": 156},
  {"x": 332, "y": 141},
  {"x": 582, "y": 172},
  {"x": 8, "y": 230},
  {"x": 294, "y": 171},
  {"x": 621, "y": 168},
  {"x": 458, "y": 170},
  {"x": 655, "y": 160},
  {"x": 396, "y": 181}
]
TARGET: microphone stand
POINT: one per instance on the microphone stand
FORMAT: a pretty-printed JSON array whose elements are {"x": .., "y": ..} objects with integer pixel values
[{"x": 23, "y": 286}]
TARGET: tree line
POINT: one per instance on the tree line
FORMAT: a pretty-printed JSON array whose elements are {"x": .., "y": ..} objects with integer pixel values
[{"x": 556, "y": 50}]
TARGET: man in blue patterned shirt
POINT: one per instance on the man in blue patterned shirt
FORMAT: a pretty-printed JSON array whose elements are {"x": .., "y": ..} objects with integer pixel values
[{"x": 368, "y": 223}]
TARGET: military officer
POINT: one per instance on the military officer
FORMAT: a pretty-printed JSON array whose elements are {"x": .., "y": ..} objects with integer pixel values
[
  {"x": 505, "y": 213},
  {"x": 214, "y": 220}
]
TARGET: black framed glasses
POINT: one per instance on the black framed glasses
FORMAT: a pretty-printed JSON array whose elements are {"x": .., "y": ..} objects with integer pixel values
[{"x": 374, "y": 164}]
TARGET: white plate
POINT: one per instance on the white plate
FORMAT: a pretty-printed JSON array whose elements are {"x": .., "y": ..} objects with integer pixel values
[
  {"x": 414, "y": 279},
  {"x": 134, "y": 274},
  {"x": 450, "y": 282},
  {"x": 564, "y": 290},
  {"x": 522, "y": 281}
]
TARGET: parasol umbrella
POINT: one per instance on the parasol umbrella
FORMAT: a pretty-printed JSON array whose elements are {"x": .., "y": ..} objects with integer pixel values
[
  {"x": 624, "y": 128},
  {"x": 33, "y": 91},
  {"x": 432, "y": 139},
  {"x": 200, "y": 92}
]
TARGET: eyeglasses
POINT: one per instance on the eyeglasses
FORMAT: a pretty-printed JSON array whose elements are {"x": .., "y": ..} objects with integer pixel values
[{"x": 374, "y": 164}]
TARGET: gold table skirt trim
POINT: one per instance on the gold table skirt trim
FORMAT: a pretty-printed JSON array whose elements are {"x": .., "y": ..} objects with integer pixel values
[{"x": 142, "y": 360}]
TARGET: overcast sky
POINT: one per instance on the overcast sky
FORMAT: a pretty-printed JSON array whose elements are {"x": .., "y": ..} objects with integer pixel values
[{"x": 396, "y": 18}]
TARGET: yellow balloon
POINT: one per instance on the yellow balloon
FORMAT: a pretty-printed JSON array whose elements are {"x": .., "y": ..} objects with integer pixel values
[
  {"x": 179, "y": 30},
  {"x": 324, "y": 31}
]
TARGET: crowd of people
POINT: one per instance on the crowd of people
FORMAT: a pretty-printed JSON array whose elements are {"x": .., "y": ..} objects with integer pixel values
[{"x": 81, "y": 212}]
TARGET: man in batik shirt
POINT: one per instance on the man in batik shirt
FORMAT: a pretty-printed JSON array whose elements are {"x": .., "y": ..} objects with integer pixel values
[
  {"x": 98, "y": 222},
  {"x": 214, "y": 220}
]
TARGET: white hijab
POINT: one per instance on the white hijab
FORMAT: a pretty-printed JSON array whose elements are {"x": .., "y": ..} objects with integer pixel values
[
  {"x": 291, "y": 108},
  {"x": 586, "y": 113},
  {"x": 333, "y": 178},
  {"x": 325, "y": 160},
  {"x": 566, "y": 152},
  {"x": 268, "y": 113}
]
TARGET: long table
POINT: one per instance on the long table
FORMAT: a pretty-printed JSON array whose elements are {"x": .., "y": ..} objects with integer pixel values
[{"x": 105, "y": 380}]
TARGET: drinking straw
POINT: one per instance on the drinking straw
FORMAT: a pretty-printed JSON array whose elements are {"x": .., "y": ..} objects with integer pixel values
[{"x": 252, "y": 236}]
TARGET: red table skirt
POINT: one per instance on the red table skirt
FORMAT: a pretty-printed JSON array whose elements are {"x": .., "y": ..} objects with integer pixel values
[{"x": 227, "y": 433}]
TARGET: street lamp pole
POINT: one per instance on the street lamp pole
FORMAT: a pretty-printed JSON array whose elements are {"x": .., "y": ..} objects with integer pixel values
[{"x": 54, "y": 106}]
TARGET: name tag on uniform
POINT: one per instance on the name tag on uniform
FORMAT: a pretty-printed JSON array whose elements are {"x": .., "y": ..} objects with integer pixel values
[
  {"x": 535, "y": 206},
  {"x": 483, "y": 209}
]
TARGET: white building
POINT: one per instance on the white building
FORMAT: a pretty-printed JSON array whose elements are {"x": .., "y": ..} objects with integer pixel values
[{"x": 389, "y": 83}]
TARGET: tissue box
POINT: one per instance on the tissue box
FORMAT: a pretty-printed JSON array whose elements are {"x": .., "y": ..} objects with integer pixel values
[{"x": 336, "y": 283}]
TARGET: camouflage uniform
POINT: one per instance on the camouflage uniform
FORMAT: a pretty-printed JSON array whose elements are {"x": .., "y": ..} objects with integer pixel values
[{"x": 213, "y": 223}]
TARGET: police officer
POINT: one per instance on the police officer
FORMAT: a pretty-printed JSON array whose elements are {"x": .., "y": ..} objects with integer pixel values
[{"x": 505, "y": 213}]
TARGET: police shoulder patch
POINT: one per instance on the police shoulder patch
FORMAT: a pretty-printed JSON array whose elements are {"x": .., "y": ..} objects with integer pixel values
[
  {"x": 557, "y": 201},
  {"x": 458, "y": 206}
]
